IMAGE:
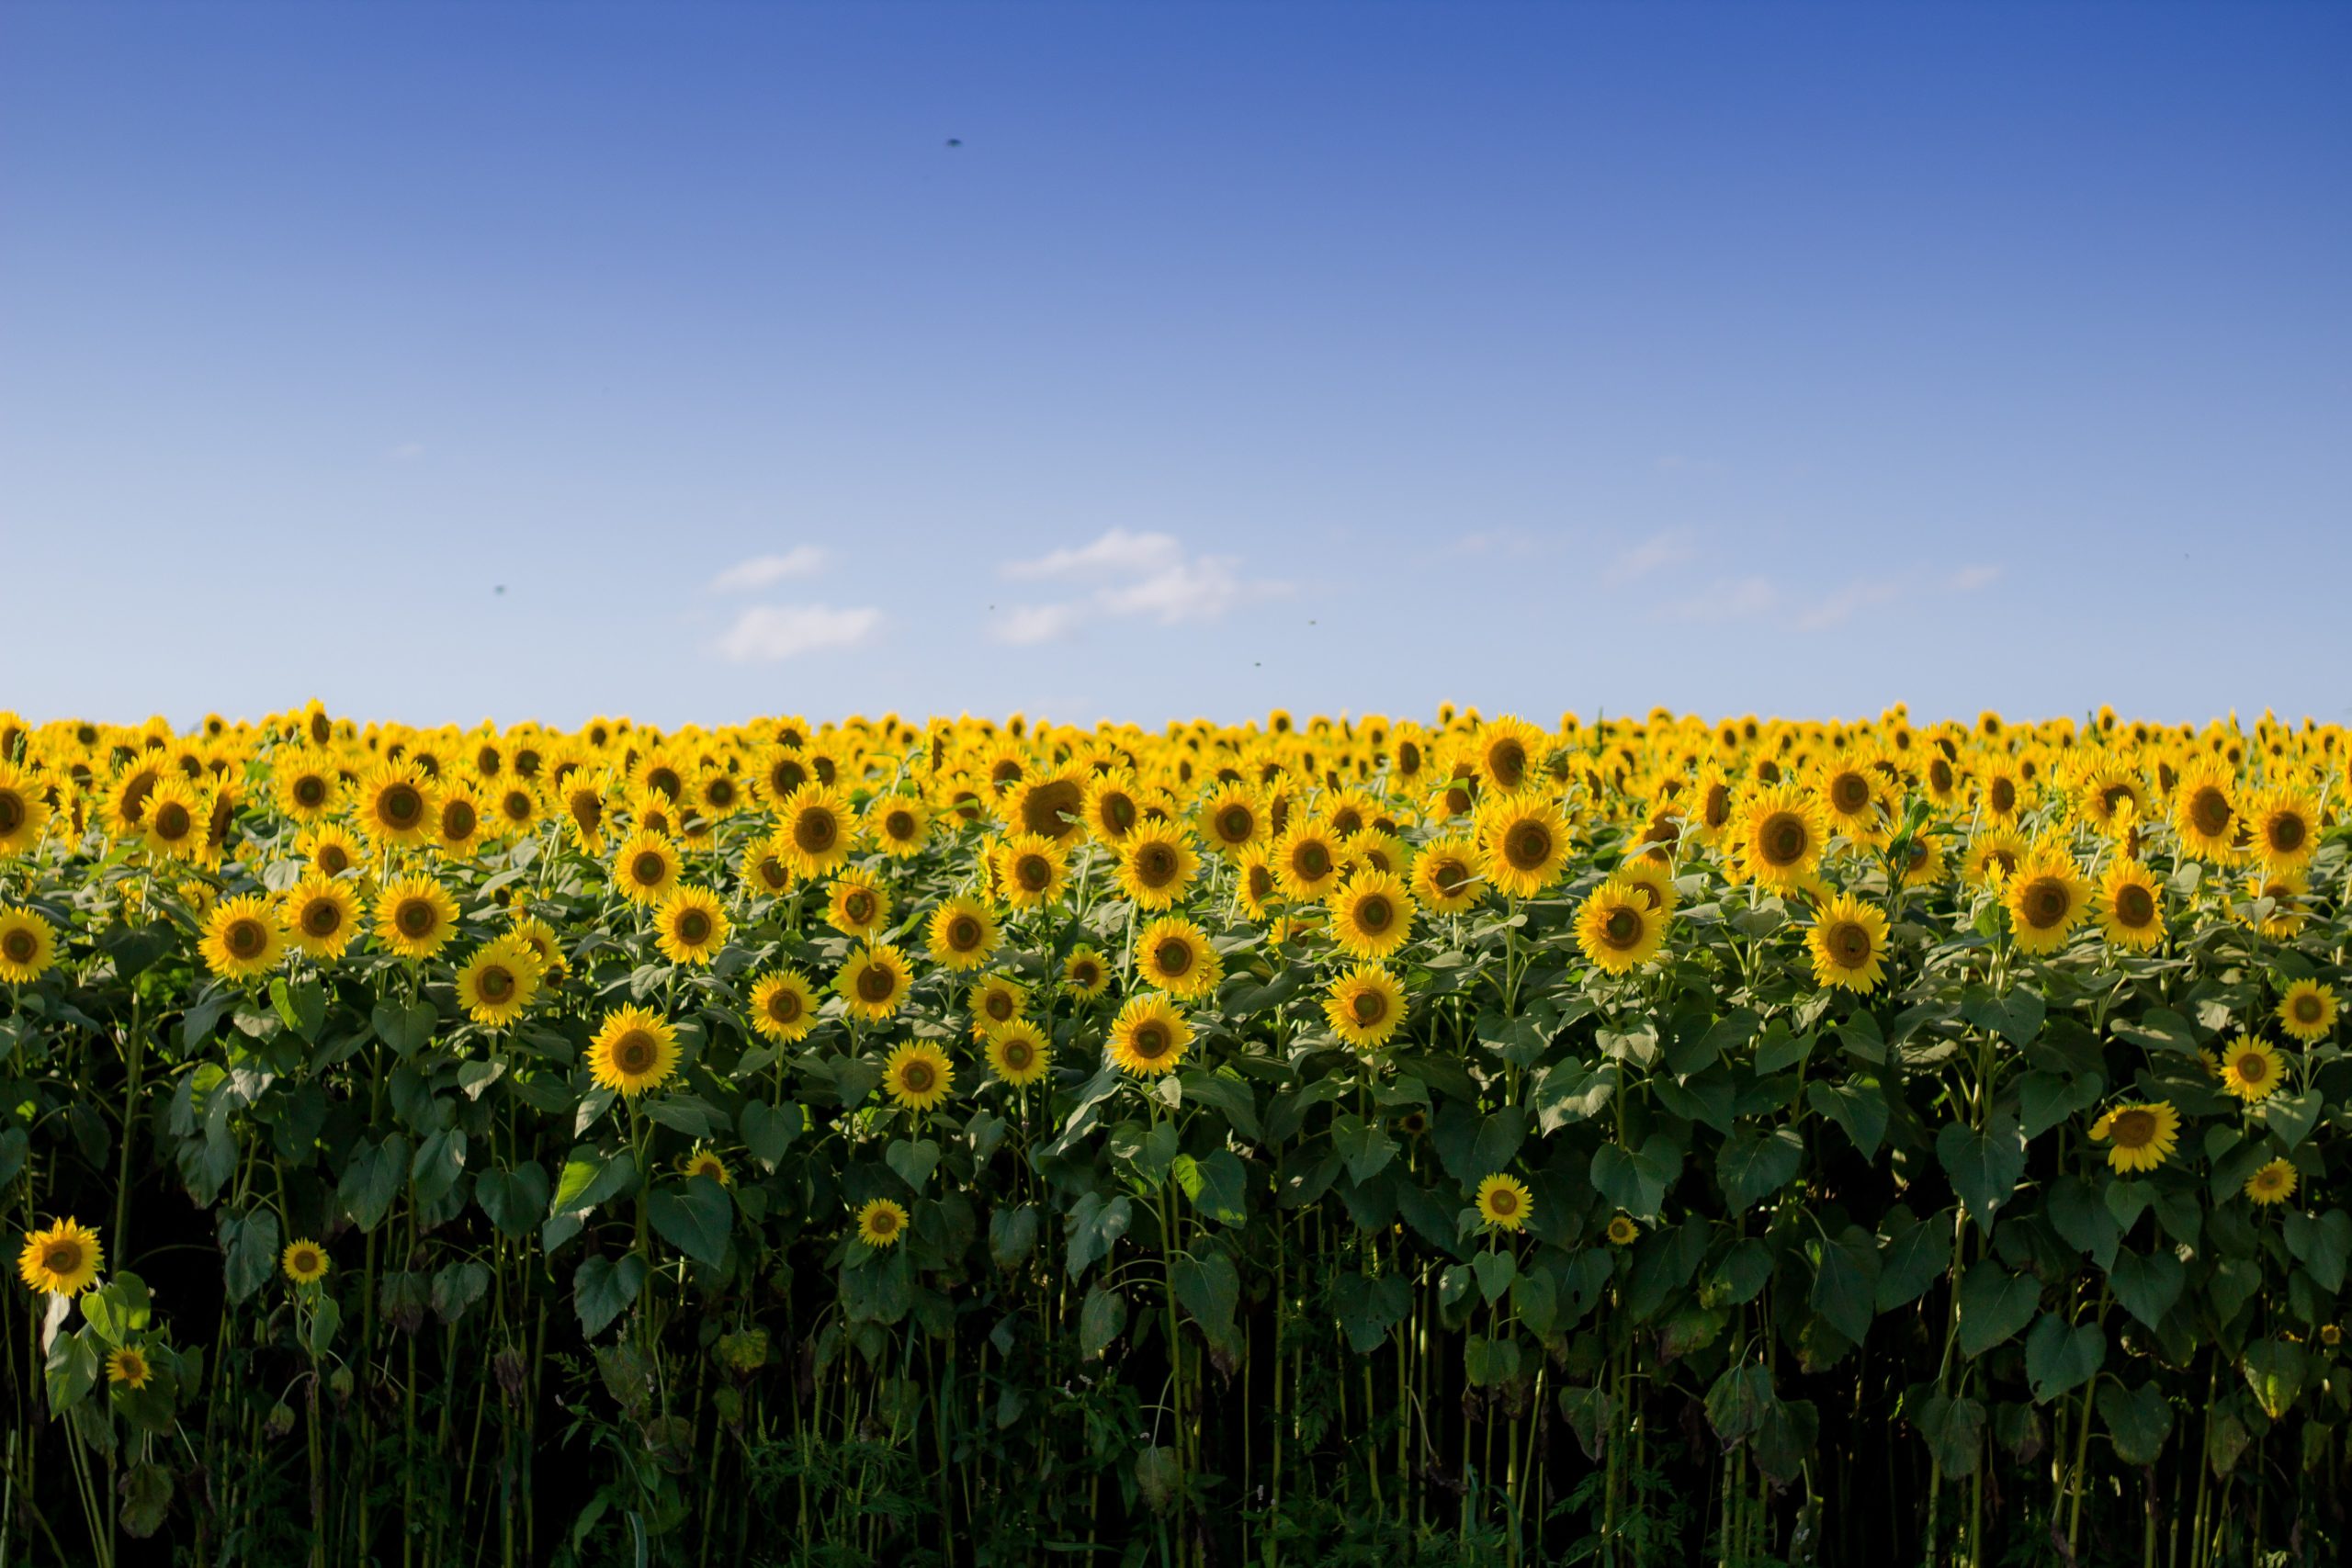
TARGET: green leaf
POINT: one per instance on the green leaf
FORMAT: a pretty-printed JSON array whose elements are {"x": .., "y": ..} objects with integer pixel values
[
  {"x": 1365, "y": 1145},
  {"x": 1489, "y": 1361},
  {"x": 2159, "y": 1029},
  {"x": 768, "y": 1129},
  {"x": 513, "y": 1200},
  {"x": 2015, "y": 1015},
  {"x": 1636, "y": 1181},
  {"x": 1954, "y": 1430},
  {"x": 1738, "y": 1402},
  {"x": 1226, "y": 1094},
  {"x": 1858, "y": 1106},
  {"x": 372, "y": 1179},
  {"x": 1845, "y": 1287},
  {"x": 72, "y": 1370},
  {"x": 1093, "y": 1227},
  {"x": 2275, "y": 1370},
  {"x": 1217, "y": 1186},
  {"x": 1209, "y": 1288},
  {"x": 300, "y": 1005},
  {"x": 1496, "y": 1270},
  {"x": 1754, "y": 1164},
  {"x": 694, "y": 1217},
  {"x": 2046, "y": 1098},
  {"x": 1995, "y": 1306},
  {"x": 1742, "y": 1274},
  {"x": 1915, "y": 1259},
  {"x": 589, "y": 1178},
  {"x": 1101, "y": 1320},
  {"x": 2322, "y": 1244},
  {"x": 1983, "y": 1166},
  {"x": 2147, "y": 1285},
  {"x": 2292, "y": 1116},
  {"x": 912, "y": 1160},
  {"x": 326, "y": 1317},
  {"x": 602, "y": 1288},
  {"x": 146, "y": 1489},
  {"x": 1369, "y": 1307},
  {"x": 1728, "y": 1034},
  {"x": 440, "y": 1159},
  {"x": 2083, "y": 1219},
  {"x": 250, "y": 1242},
  {"x": 406, "y": 1027},
  {"x": 2137, "y": 1421},
  {"x": 457, "y": 1287},
  {"x": 118, "y": 1309},
  {"x": 2060, "y": 1358},
  {"x": 1013, "y": 1236}
]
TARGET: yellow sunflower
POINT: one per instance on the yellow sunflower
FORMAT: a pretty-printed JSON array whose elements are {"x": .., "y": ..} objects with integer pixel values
[
  {"x": 330, "y": 849},
  {"x": 1052, "y": 806},
  {"x": 1777, "y": 836},
  {"x": 304, "y": 1261},
  {"x": 1031, "y": 871},
  {"x": 1307, "y": 860},
  {"x": 691, "y": 926},
  {"x": 243, "y": 937},
  {"x": 1624, "y": 1231},
  {"x": 415, "y": 917},
  {"x": 634, "y": 1050},
  {"x": 1174, "y": 955},
  {"x": 873, "y": 981},
  {"x": 2274, "y": 1183},
  {"x": 2251, "y": 1068},
  {"x": 539, "y": 937},
  {"x": 1993, "y": 856},
  {"x": 1232, "y": 818},
  {"x": 1085, "y": 975},
  {"x": 2284, "y": 825},
  {"x": 2307, "y": 1011},
  {"x": 995, "y": 999},
  {"x": 1526, "y": 841},
  {"x": 812, "y": 833},
  {"x": 2204, "y": 811},
  {"x": 63, "y": 1261},
  {"x": 28, "y": 945},
  {"x": 1507, "y": 751},
  {"x": 1157, "y": 863},
  {"x": 765, "y": 873},
  {"x": 1371, "y": 915},
  {"x": 917, "y": 1076},
  {"x": 784, "y": 1008},
  {"x": 856, "y": 904},
  {"x": 1112, "y": 809},
  {"x": 176, "y": 814},
  {"x": 322, "y": 915},
  {"x": 899, "y": 825},
  {"x": 2284, "y": 889},
  {"x": 583, "y": 798},
  {"x": 1848, "y": 943},
  {"x": 645, "y": 867},
  {"x": 1503, "y": 1202},
  {"x": 1149, "y": 1036},
  {"x": 2047, "y": 897},
  {"x": 1449, "y": 876},
  {"x": 1364, "y": 1006},
  {"x": 24, "y": 809},
  {"x": 127, "y": 1367},
  {"x": 517, "y": 806},
  {"x": 392, "y": 808},
  {"x": 2143, "y": 1136},
  {"x": 961, "y": 935},
  {"x": 1019, "y": 1052},
  {"x": 881, "y": 1223},
  {"x": 457, "y": 827},
  {"x": 1653, "y": 878},
  {"x": 2131, "y": 906},
  {"x": 1617, "y": 930},
  {"x": 498, "y": 982}
]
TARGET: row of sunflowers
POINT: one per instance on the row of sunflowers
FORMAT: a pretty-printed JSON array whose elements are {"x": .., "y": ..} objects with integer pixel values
[{"x": 1339, "y": 1139}]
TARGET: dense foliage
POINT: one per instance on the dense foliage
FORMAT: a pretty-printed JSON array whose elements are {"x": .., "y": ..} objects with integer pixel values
[{"x": 1339, "y": 1141}]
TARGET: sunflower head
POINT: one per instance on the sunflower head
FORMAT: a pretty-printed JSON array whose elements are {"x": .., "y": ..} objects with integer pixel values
[
  {"x": 1175, "y": 955},
  {"x": 1526, "y": 841},
  {"x": 28, "y": 945},
  {"x": 1848, "y": 943},
  {"x": 917, "y": 1076},
  {"x": 881, "y": 1223},
  {"x": 645, "y": 866},
  {"x": 1149, "y": 1037},
  {"x": 1622, "y": 1230},
  {"x": 703, "y": 1162},
  {"x": 690, "y": 925},
  {"x": 1019, "y": 1054},
  {"x": 634, "y": 1050},
  {"x": 61, "y": 1260},
  {"x": 2140, "y": 1137},
  {"x": 1617, "y": 929},
  {"x": 784, "y": 1006},
  {"x": 1031, "y": 871},
  {"x": 1449, "y": 875},
  {"x": 1371, "y": 915},
  {"x": 2307, "y": 1011},
  {"x": 1157, "y": 865},
  {"x": 304, "y": 1262},
  {"x": 1085, "y": 975},
  {"x": 1364, "y": 1006},
  {"x": 2251, "y": 1068},
  {"x": 2274, "y": 1183},
  {"x": 127, "y": 1367},
  {"x": 499, "y": 981},
  {"x": 875, "y": 981},
  {"x": 962, "y": 933},
  {"x": 244, "y": 937},
  {"x": 415, "y": 917},
  {"x": 1503, "y": 1202}
]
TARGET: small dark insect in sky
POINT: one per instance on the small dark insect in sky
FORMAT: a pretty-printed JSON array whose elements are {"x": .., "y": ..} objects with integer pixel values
[
  {"x": 500, "y": 588},
  {"x": 954, "y": 142}
]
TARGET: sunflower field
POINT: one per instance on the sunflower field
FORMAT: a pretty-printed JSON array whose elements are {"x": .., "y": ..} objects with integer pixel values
[{"x": 1341, "y": 1141}]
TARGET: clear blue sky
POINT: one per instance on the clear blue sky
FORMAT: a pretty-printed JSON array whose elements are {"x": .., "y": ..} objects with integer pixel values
[{"x": 1796, "y": 358}]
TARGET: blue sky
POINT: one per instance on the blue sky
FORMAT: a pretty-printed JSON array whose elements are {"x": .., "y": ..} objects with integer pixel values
[{"x": 1788, "y": 358}]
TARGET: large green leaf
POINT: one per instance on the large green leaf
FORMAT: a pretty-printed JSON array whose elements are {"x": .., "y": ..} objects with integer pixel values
[{"x": 1984, "y": 1165}]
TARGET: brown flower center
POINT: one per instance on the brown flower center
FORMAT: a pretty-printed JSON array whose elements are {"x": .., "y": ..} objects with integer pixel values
[
  {"x": 1849, "y": 944},
  {"x": 310, "y": 789},
  {"x": 1368, "y": 1006},
  {"x": 2209, "y": 810},
  {"x": 244, "y": 938},
  {"x": 876, "y": 983},
  {"x": 171, "y": 821},
  {"x": 784, "y": 1004},
  {"x": 635, "y": 1052},
  {"x": 1374, "y": 913},
  {"x": 1507, "y": 760},
  {"x": 19, "y": 945},
  {"x": 962, "y": 933},
  {"x": 1783, "y": 839},
  {"x": 917, "y": 1078},
  {"x": 694, "y": 926},
  {"x": 2134, "y": 1129},
  {"x": 2045, "y": 902},
  {"x": 814, "y": 831},
  {"x": 2004, "y": 796},
  {"x": 401, "y": 806},
  {"x": 1235, "y": 824},
  {"x": 1151, "y": 1042},
  {"x": 1850, "y": 792},
  {"x": 415, "y": 918},
  {"x": 649, "y": 868},
  {"x": 62, "y": 1257},
  {"x": 2288, "y": 832},
  {"x": 1527, "y": 846},
  {"x": 2133, "y": 906},
  {"x": 494, "y": 984},
  {"x": 322, "y": 918},
  {"x": 1173, "y": 958}
]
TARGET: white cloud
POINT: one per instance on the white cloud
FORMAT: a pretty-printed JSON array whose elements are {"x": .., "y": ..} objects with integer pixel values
[
  {"x": 1864, "y": 593},
  {"x": 1969, "y": 579},
  {"x": 1150, "y": 576},
  {"x": 408, "y": 451},
  {"x": 1655, "y": 554},
  {"x": 766, "y": 633},
  {"x": 1727, "y": 598},
  {"x": 801, "y": 560}
]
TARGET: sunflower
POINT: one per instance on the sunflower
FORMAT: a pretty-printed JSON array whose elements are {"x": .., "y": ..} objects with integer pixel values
[
  {"x": 392, "y": 805},
  {"x": 127, "y": 1367},
  {"x": 1255, "y": 887},
  {"x": 24, "y": 811},
  {"x": 1993, "y": 856},
  {"x": 1175, "y": 955},
  {"x": 28, "y": 945},
  {"x": 304, "y": 1261},
  {"x": 2205, "y": 813},
  {"x": 812, "y": 833},
  {"x": 1307, "y": 860},
  {"x": 1652, "y": 878},
  {"x": 1031, "y": 871},
  {"x": 1449, "y": 875},
  {"x": 784, "y": 1007},
  {"x": 691, "y": 926},
  {"x": 2131, "y": 906},
  {"x": 330, "y": 848},
  {"x": 498, "y": 982},
  {"x": 1526, "y": 841},
  {"x": 1019, "y": 1052},
  {"x": 1624, "y": 1231},
  {"x": 2284, "y": 823},
  {"x": 881, "y": 1223},
  {"x": 1084, "y": 973},
  {"x": 2285, "y": 891},
  {"x": 2250, "y": 1068},
  {"x": 1849, "y": 942},
  {"x": 873, "y": 981},
  {"x": 2307, "y": 1011},
  {"x": 702, "y": 1162},
  {"x": 634, "y": 1050},
  {"x": 243, "y": 937},
  {"x": 961, "y": 935},
  {"x": 63, "y": 1261},
  {"x": 1777, "y": 836},
  {"x": 1157, "y": 865},
  {"x": 517, "y": 807},
  {"x": 856, "y": 904},
  {"x": 1149, "y": 1036},
  {"x": 2274, "y": 1183},
  {"x": 1364, "y": 1006},
  {"x": 1617, "y": 930},
  {"x": 645, "y": 868},
  {"x": 1052, "y": 806},
  {"x": 899, "y": 825},
  {"x": 1849, "y": 799},
  {"x": 1112, "y": 809},
  {"x": 415, "y": 917},
  {"x": 2001, "y": 790},
  {"x": 539, "y": 937},
  {"x": 1371, "y": 915},
  {"x": 995, "y": 999},
  {"x": 1503, "y": 1202},
  {"x": 1233, "y": 818},
  {"x": 2143, "y": 1136},
  {"x": 765, "y": 873},
  {"x": 2047, "y": 897},
  {"x": 583, "y": 798},
  {"x": 1506, "y": 753},
  {"x": 175, "y": 817},
  {"x": 321, "y": 914},
  {"x": 917, "y": 1076},
  {"x": 126, "y": 804}
]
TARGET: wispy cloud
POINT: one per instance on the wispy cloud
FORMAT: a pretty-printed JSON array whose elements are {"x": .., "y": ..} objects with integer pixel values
[
  {"x": 407, "y": 452},
  {"x": 1843, "y": 604},
  {"x": 1724, "y": 599},
  {"x": 1655, "y": 554},
  {"x": 1969, "y": 579},
  {"x": 1139, "y": 577},
  {"x": 801, "y": 560},
  {"x": 765, "y": 634}
]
